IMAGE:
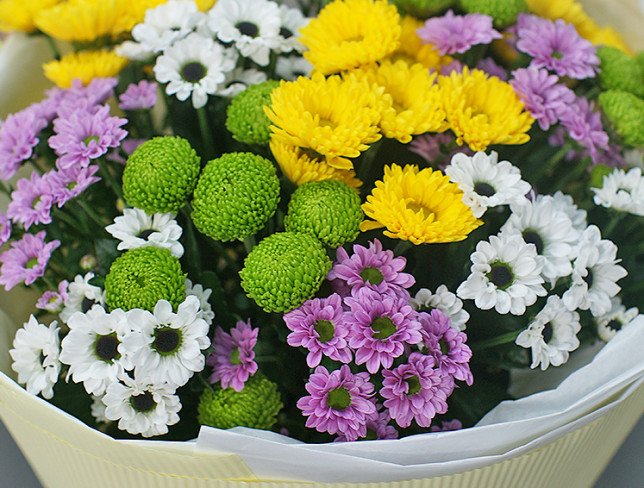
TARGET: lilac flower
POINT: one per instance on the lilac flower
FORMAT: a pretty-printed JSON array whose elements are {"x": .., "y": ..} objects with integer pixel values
[
  {"x": 233, "y": 361},
  {"x": 338, "y": 402},
  {"x": 492, "y": 68},
  {"x": 31, "y": 201},
  {"x": 319, "y": 327},
  {"x": 584, "y": 124},
  {"x": 78, "y": 96},
  {"x": 53, "y": 301},
  {"x": 453, "y": 66},
  {"x": 428, "y": 146},
  {"x": 380, "y": 326},
  {"x": 26, "y": 261},
  {"x": 557, "y": 46},
  {"x": 543, "y": 97},
  {"x": 18, "y": 138},
  {"x": 447, "y": 345},
  {"x": 458, "y": 33},
  {"x": 372, "y": 268},
  {"x": 415, "y": 391},
  {"x": 68, "y": 184},
  {"x": 378, "y": 427},
  {"x": 5, "y": 228},
  {"x": 447, "y": 426},
  {"x": 141, "y": 96}
]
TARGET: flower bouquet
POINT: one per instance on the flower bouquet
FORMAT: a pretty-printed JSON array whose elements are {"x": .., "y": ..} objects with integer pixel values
[{"x": 325, "y": 221}]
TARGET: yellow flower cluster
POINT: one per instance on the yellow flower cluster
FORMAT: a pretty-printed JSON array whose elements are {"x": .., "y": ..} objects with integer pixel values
[
  {"x": 84, "y": 66},
  {"x": 19, "y": 15}
]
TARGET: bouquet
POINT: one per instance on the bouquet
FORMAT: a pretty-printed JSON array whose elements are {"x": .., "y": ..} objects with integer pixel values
[{"x": 338, "y": 220}]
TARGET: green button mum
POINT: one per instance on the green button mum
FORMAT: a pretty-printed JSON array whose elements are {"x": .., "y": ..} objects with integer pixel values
[
  {"x": 245, "y": 117},
  {"x": 328, "y": 210},
  {"x": 626, "y": 112},
  {"x": 235, "y": 196},
  {"x": 284, "y": 271},
  {"x": 422, "y": 8},
  {"x": 256, "y": 406},
  {"x": 160, "y": 175},
  {"x": 141, "y": 277},
  {"x": 504, "y": 12},
  {"x": 619, "y": 71}
]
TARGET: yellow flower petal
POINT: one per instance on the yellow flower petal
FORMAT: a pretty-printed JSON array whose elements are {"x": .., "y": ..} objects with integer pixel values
[
  {"x": 19, "y": 15},
  {"x": 84, "y": 66}
]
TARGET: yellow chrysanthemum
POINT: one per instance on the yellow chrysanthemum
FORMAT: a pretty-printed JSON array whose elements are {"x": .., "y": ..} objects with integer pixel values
[
  {"x": 88, "y": 20},
  {"x": 335, "y": 117},
  {"x": 418, "y": 206},
  {"x": 18, "y": 15},
  {"x": 413, "y": 50},
  {"x": 413, "y": 101},
  {"x": 301, "y": 167},
  {"x": 349, "y": 33},
  {"x": 483, "y": 110},
  {"x": 85, "y": 66}
]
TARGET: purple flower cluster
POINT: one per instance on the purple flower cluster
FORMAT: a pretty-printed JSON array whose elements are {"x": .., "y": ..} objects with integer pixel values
[{"x": 233, "y": 360}]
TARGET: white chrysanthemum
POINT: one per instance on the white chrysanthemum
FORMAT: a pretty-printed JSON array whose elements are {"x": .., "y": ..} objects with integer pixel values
[
  {"x": 551, "y": 335},
  {"x": 292, "y": 21},
  {"x": 135, "y": 229},
  {"x": 194, "y": 66},
  {"x": 94, "y": 350},
  {"x": 622, "y": 191},
  {"x": 238, "y": 80},
  {"x": 202, "y": 294},
  {"x": 445, "y": 301},
  {"x": 141, "y": 406},
  {"x": 486, "y": 182},
  {"x": 505, "y": 275},
  {"x": 566, "y": 204},
  {"x": 98, "y": 409},
  {"x": 594, "y": 275},
  {"x": 616, "y": 319},
  {"x": 253, "y": 26},
  {"x": 292, "y": 67},
  {"x": 82, "y": 296},
  {"x": 551, "y": 231},
  {"x": 166, "y": 346},
  {"x": 35, "y": 352}
]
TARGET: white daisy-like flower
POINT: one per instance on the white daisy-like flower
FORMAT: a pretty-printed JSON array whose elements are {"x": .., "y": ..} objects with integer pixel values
[
  {"x": 505, "y": 275},
  {"x": 551, "y": 335},
  {"x": 615, "y": 320},
  {"x": 142, "y": 406},
  {"x": 166, "y": 346},
  {"x": 253, "y": 26},
  {"x": 202, "y": 294},
  {"x": 292, "y": 21},
  {"x": 292, "y": 67},
  {"x": 566, "y": 204},
  {"x": 486, "y": 182},
  {"x": 98, "y": 409},
  {"x": 238, "y": 80},
  {"x": 136, "y": 229},
  {"x": 594, "y": 275},
  {"x": 35, "y": 352},
  {"x": 82, "y": 296},
  {"x": 445, "y": 301},
  {"x": 193, "y": 67},
  {"x": 94, "y": 349},
  {"x": 622, "y": 191}
]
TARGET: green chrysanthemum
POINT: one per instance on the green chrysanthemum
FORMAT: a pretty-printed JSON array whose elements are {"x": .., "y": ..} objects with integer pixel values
[
  {"x": 328, "y": 210},
  {"x": 619, "y": 71},
  {"x": 284, "y": 271},
  {"x": 256, "y": 406},
  {"x": 626, "y": 112},
  {"x": 235, "y": 196},
  {"x": 504, "y": 12},
  {"x": 422, "y": 8},
  {"x": 141, "y": 277},
  {"x": 245, "y": 117},
  {"x": 160, "y": 175}
]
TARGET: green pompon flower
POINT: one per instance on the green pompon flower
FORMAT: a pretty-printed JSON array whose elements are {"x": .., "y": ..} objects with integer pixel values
[
  {"x": 160, "y": 175},
  {"x": 626, "y": 112},
  {"x": 422, "y": 8},
  {"x": 284, "y": 270},
  {"x": 619, "y": 71},
  {"x": 245, "y": 117},
  {"x": 235, "y": 196},
  {"x": 328, "y": 210},
  {"x": 143, "y": 276},
  {"x": 256, "y": 406},
  {"x": 504, "y": 12}
]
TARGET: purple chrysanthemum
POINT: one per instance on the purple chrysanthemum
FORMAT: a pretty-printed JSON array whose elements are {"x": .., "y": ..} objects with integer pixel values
[
  {"x": 5, "y": 228},
  {"x": 380, "y": 326},
  {"x": 338, "y": 402},
  {"x": 416, "y": 391},
  {"x": 584, "y": 124},
  {"x": 378, "y": 427},
  {"x": 26, "y": 261},
  {"x": 454, "y": 66},
  {"x": 544, "y": 98},
  {"x": 447, "y": 426},
  {"x": 139, "y": 96},
  {"x": 233, "y": 361},
  {"x": 68, "y": 184},
  {"x": 372, "y": 268},
  {"x": 31, "y": 201},
  {"x": 60, "y": 101},
  {"x": 489, "y": 66},
  {"x": 318, "y": 326},
  {"x": 557, "y": 46},
  {"x": 18, "y": 138},
  {"x": 458, "y": 33},
  {"x": 428, "y": 146},
  {"x": 447, "y": 345},
  {"x": 53, "y": 301}
]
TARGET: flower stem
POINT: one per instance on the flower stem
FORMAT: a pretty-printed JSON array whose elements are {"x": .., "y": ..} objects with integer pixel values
[
  {"x": 109, "y": 178},
  {"x": 91, "y": 213},
  {"x": 495, "y": 341},
  {"x": 615, "y": 220},
  {"x": 54, "y": 49},
  {"x": 206, "y": 134},
  {"x": 402, "y": 247}
]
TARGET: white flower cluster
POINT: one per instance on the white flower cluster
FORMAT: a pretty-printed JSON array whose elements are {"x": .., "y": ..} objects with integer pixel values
[{"x": 622, "y": 191}]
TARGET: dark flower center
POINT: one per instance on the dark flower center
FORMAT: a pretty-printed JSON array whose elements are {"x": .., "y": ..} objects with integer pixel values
[
  {"x": 145, "y": 234},
  {"x": 614, "y": 324},
  {"x": 143, "y": 402},
  {"x": 531, "y": 237},
  {"x": 372, "y": 275},
  {"x": 166, "y": 340},
  {"x": 193, "y": 72},
  {"x": 87, "y": 304},
  {"x": 106, "y": 347},
  {"x": 325, "y": 330},
  {"x": 247, "y": 29},
  {"x": 234, "y": 356},
  {"x": 547, "y": 333},
  {"x": 500, "y": 275},
  {"x": 589, "y": 279},
  {"x": 286, "y": 33},
  {"x": 414, "y": 385},
  {"x": 31, "y": 263},
  {"x": 484, "y": 189},
  {"x": 382, "y": 328},
  {"x": 338, "y": 399},
  {"x": 444, "y": 347}
]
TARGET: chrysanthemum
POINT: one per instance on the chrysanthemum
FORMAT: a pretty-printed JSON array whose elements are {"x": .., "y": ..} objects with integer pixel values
[
  {"x": 292, "y": 20},
  {"x": 483, "y": 110},
  {"x": 489, "y": 66},
  {"x": 619, "y": 71},
  {"x": 53, "y": 301},
  {"x": 84, "y": 66},
  {"x": 26, "y": 260},
  {"x": 19, "y": 16},
  {"x": 97, "y": 409},
  {"x": 551, "y": 335},
  {"x": 233, "y": 360},
  {"x": 378, "y": 427},
  {"x": 35, "y": 357},
  {"x": 18, "y": 137},
  {"x": 617, "y": 318},
  {"x": 445, "y": 301},
  {"x": 622, "y": 191},
  {"x": 625, "y": 112},
  {"x": 418, "y": 206},
  {"x": 66, "y": 185},
  {"x": 334, "y": 117},
  {"x": 238, "y": 80},
  {"x": 31, "y": 201},
  {"x": 203, "y": 295},
  {"x": 413, "y": 50},
  {"x": 81, "y": 296},
  {"x": 430, "y": 146},
  {"x": 447, "y": 426},
  {"x": 292, "y": 67},
  {"x": 139, "y": 96},
  {"x": 338, "y": 401},
  {"x": 564, "y": 203},
  {"x": 583, "y": 123},
  {"x": 350, "y": 33}
]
